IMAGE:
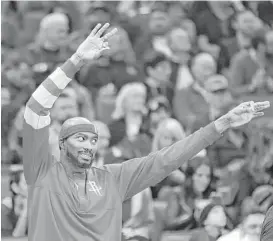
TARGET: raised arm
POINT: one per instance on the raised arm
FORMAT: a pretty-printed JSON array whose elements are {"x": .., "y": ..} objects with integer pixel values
[
  {"x": 137, "y": 174},
  {"x": 36, "y": 156}
]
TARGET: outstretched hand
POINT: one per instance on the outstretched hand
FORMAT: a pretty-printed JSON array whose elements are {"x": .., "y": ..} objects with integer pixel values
[
  {"x": 93, "y": 46},
  {"x": 245, "y": 112}
]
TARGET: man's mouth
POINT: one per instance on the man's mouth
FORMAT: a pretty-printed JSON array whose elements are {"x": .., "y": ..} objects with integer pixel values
[{"x": 87, "y": 156}]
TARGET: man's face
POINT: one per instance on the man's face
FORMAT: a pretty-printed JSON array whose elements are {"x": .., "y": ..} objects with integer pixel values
[
  {"x": 64, "y": 108},
  {"x": 159, "y": 22},
  {"x": 19, "y": 74},
  {"x": 57, "y": 35},
  {"x": 202, "y": 70},
  {"x": 161, "y": 72},
  {"x": 252, "y": 226},
  {"x": 81, "y": 148},
  {"x": 248, "y": 23},
  {"x": 179, "y": 41}
]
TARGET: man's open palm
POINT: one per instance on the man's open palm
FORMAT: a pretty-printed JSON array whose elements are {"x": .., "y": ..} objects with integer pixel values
[
  {"x": 95, "y": 43},
  {"x": 245, "y": 112}
]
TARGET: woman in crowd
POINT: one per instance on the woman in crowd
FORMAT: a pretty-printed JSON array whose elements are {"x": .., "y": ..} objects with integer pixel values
[
  {"x": 186, "y": 201},
  {"x": 168, "y": 132},
  {"x": 213, "y": 221}
]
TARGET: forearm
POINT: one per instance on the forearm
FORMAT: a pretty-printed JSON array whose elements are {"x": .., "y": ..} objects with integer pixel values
[
  {"x": 47, "y": 93},
  {"x": 222, "y": 124},
  {"x": 21, "y": 225},
  {"x": 137, "y": 174}
]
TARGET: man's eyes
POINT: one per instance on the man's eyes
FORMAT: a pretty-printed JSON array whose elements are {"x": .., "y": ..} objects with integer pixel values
[
  {"x": 80, "y": 138},
  {"x": 94, "y": 141}
]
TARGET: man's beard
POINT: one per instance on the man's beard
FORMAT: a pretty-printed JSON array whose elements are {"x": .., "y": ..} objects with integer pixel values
[{"x": 75, "y": 160}]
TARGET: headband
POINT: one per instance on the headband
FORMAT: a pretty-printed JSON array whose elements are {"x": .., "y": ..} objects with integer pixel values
[{"x": 65, "y": 133}]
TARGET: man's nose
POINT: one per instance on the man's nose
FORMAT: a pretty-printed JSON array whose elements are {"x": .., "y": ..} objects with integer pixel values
[{"x": 88, "y": 146}]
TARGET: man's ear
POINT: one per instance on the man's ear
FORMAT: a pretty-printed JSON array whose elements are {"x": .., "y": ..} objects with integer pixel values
[
  {"x": 14, "y": 187},
  {"x": 61, "y": 144}
]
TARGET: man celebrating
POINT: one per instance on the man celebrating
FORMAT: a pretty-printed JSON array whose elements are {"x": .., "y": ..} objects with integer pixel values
[{"x": 69, "y": 200}]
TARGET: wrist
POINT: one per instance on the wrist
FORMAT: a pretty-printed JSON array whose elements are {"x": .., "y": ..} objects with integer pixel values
[
  {"x": 222, "y": 124},
  {"x": 77, "y": 60}
]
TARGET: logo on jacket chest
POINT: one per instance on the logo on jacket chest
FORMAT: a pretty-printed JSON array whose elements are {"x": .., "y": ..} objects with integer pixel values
[{"x": 90, "y": 187}]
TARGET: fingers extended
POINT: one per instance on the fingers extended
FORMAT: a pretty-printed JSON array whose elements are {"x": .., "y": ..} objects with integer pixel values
[
  {"x": 94, "y": 31},
  {"x": 261, "y": 105},
  {"x": 102, "y": 30},
  {"x": 111, "y": 33}
]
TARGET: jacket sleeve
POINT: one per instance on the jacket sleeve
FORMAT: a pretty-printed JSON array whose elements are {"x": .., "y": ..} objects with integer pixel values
[
  {"x": 36, "y": 157},
  {"x": 137, "y": 174}
]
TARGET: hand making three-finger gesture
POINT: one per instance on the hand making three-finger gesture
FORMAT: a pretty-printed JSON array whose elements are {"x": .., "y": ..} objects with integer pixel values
[
  {"x": 93, "y": 46},
  {"x": 241, "y": 114}
]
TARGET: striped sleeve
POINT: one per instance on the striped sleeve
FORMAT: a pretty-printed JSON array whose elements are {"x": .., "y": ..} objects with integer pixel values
[
  {"x": 42, "y": 100},
  {"x": 36, "y": 152}
]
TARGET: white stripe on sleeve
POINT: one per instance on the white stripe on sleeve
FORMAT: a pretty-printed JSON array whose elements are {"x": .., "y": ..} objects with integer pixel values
[
  {"x": 36, "y": 121},
  {"x": 44, "y": 97},
  {"x": 59, "y": 78}
]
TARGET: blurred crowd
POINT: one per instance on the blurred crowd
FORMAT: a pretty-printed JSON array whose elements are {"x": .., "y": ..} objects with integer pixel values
[{"x": 173, "y": 67}]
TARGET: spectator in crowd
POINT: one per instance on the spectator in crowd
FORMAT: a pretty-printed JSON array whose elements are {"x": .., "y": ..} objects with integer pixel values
[
  {"x": 249, "y": 229},
  {"x": 250, "y": 70},
  {"x": 154, "y": 38},
  {"x": 180, "y": 18},
  {"x": 50, "y": 48},
  {"x": 220, "y": 100},
  {"x": 263, "y": 197},
  {"x": 138, "y": 217},
  {"x": 213, "y": 221},
  {"x": 181, "y": 48},
  {"x": 245, "y": 24},
  {"x": 14, "y": 208},
  {"x": 168, "y": 132},
  {"x": 189, "y": 105},
  {"x": 19, "y": 83},
  {"x": 213, "y": 24},
  {"x": 159, "y": 109},
  {"x": 158, "y": 71},
  {"x": 129, "y": 112},
  {"x": 199, "y": 184}
]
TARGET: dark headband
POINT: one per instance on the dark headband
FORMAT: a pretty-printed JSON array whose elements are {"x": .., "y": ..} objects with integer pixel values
[{"x": 65, "y": 133}]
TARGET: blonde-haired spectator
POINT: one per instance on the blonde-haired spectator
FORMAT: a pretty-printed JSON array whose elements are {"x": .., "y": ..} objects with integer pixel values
[
  {"x": 168, "y": 132},
  {"x": 129, "y": 112}
]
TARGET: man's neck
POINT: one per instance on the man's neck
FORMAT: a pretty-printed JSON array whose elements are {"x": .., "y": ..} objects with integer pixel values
[{"x": 71, "y": 169}]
